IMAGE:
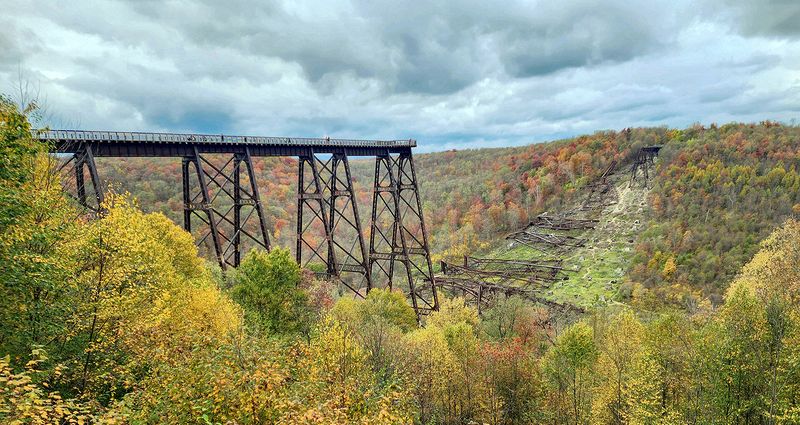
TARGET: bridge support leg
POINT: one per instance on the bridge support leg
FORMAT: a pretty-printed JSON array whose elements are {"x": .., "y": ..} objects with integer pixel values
[
  {"x": 237, "y": 204},
  {"x": 84, "y": 159},
  {"x": 254, "y": 197},
  {"x": 398, "y": 233},
  {"x": 187, "y": 207},
  {"x": 327, "y": 205},
  {"x": 237, "y": 210},
  {"x": 350, "y": 256},
  {"x": 313, "y": 220},
  {"x": 204, "y": 206},
  {"x": 80, "y": 183}
]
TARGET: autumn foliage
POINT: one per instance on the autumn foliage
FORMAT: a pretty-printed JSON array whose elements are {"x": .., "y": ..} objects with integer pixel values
[{"x": 118, "y": 319}]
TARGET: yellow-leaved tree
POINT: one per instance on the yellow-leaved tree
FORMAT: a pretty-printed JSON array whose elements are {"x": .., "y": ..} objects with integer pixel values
[
  {"x": 146, "y": 299},
  {"x": 335, "y": 385},
  {"x": 620, "y": 352},
  {"x": 762, "y": 320}
]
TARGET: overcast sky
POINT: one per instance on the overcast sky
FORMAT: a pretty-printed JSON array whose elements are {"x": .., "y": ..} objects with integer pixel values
[{"x": 450, "y": 74}]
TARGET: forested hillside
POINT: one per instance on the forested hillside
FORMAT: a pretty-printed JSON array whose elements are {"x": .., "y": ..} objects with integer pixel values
[
  {"x": 474, "y": 196},
  {"x": 719, "y": 191},
  {"x": 118, "y": 320},
  {"x": 716, "y": 193}
]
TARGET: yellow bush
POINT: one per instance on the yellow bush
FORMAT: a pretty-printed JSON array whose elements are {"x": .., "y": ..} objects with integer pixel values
[
  {"x": 22, "y": 401},
  {"x": 146, "y": 293}
]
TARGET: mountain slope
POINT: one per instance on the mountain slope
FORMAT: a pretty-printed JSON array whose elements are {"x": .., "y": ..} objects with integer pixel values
[{"x": 716, "y": 193}]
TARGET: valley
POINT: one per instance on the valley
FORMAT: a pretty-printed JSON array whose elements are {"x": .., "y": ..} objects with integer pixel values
[
  {"x": 562, "y": 276},
  {"x": 400, "y": 213}
]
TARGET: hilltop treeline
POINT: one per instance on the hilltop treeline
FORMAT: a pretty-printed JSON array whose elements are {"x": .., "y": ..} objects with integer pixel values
[{"x": 118, "y": 320}]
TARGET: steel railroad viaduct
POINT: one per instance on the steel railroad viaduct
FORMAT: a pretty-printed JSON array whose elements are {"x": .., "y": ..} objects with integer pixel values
[{"x": 221, "y": 198}]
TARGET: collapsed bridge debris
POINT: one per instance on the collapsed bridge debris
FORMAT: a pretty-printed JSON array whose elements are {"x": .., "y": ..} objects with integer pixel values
[
  {"x": 482, "y": 294},
  {"x": 546, "y": 232},
  {"x": 542, "y": 272},
  {"x": 481, "y": 280},
  {"x": 560, "y": 222},
  {"x": 602, "y": 192},
  {"x": 537, "y": 240},
  {"x": 550, "y": 268}
]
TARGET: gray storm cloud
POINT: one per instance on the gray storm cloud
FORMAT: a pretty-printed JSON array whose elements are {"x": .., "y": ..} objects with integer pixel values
[
  {"x": 452, "y": 74},
  {"x": 778, "y": 18}
]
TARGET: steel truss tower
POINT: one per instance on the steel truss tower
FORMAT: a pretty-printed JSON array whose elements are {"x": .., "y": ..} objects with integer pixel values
[
  {"x": 397, "y": 231},
  {"x": 224, "y": 204},
  {"x": 83, "y": 161},
  {"x": 643, "y": 160},
  {"x": 328, "y": 223}
]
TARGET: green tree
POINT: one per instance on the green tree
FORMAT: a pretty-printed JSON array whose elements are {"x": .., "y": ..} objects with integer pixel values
[
  {"x": 377, "y": 322},
  {"x": 266, "y": 285},
  {"x": 467, "y": 390},
  {"x": 620, "y": 349},
  {"x": 662, "y": 379},
  {"x": 429, "y": 368},
  {"x": 452, "y": 311},
  {"x": 759, "y": 324},
  {"x": 144, "y": 298},
  {"x": 35, "y": 221},
  {"x": 24, "y": 400},
  {"x": 502, "y": 319},
  {"x": 515, "y": 382},
  {"x": 569, "y": 365},
  {"x": 18, "y": 152}
]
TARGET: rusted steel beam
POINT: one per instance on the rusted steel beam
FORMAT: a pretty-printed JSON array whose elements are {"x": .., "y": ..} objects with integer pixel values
[
  {"x": 602, "y": 192},
  {"x": 600, "y": 197},
  {"x": 609, "y": 170}
]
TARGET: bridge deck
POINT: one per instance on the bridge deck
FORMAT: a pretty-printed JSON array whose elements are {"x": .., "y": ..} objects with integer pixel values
[{"x": 127, "y": 144}]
